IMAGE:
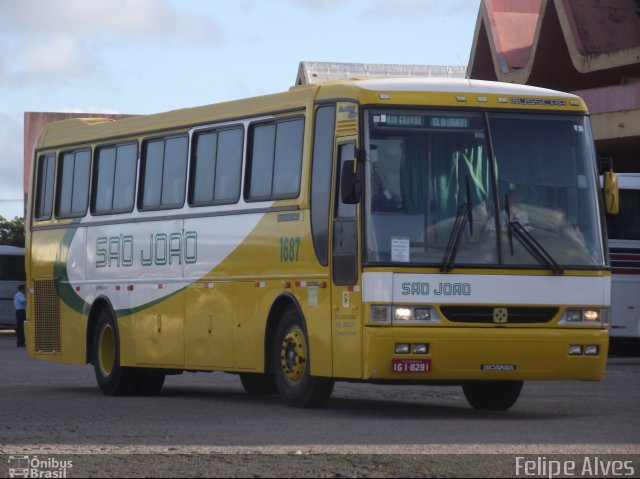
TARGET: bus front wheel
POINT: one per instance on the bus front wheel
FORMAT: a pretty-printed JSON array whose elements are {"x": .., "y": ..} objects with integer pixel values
[
  {"x": 149, "y": 382},
  {"x": 258, "y": 384},
  {"x": 292, "y": 368},
  {"x": 492, "y": 395}
]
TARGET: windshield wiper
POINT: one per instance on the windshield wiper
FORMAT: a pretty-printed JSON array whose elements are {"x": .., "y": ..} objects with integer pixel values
[
  {"x": 527, "y": 240},
  {"x": 464, "y": 214}
]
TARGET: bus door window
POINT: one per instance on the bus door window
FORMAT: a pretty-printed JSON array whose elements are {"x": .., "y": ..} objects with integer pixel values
[{"x": 345, "y": 233}]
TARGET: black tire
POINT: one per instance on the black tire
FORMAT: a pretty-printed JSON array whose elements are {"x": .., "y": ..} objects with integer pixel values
[
  {"x": 259, "y": 384},
  {"x": 492, "y": 395},
  {"x": 113, "y": 379},
  {"x": 291, "y": 365},
  {"x": 150, "y": 382}
]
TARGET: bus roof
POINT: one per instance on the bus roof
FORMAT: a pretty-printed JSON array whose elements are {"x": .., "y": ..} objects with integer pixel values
[
  {"x": 367, "y": 91},
  {"x": 458, "y": 85}
]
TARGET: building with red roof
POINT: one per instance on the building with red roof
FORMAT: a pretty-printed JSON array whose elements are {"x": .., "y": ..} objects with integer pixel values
[{"x": 588, "y": 47}]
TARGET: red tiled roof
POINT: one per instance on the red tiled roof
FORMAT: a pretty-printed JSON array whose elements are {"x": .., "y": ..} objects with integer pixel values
[
  {"x": 603, "y": 26},
  {"x": 513, "y": 25},
  {"x": 564, "y": 44}
]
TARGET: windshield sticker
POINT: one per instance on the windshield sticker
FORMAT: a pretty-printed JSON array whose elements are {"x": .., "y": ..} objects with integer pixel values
[{"x": 400, "y": 247}]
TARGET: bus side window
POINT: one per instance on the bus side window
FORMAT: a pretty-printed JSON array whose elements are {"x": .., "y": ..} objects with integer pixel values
[
  {"x": 321, "y": 180},
  {"x": 73, "y": 184},
  {"x": 114, "y": 179},
  {"x": 275, "y": 160},
  {"x": 229, "y": 166},
  {"x": 174, "y": 174},
  {"x": 44, "y": 189},
  {"x": 216, "y": 167},
  {"x": 164, "y": 173},
  {"x": 125, "y": 178},
  {"x": 288, "y": 158}
]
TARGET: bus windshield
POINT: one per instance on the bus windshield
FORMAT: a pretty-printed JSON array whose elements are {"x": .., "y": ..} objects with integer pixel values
[{"x": 530, "y": 174}]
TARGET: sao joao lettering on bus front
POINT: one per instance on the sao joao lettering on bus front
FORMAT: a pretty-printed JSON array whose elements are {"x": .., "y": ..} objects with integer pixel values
[{"x": 436, "y": 289}]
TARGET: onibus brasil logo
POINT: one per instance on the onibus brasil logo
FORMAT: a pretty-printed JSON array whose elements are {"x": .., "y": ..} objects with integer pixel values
[{"x": 26, "y": 466}]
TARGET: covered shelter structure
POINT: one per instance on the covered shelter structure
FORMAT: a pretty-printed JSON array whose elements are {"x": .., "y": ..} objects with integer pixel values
[{"x": 588, "y": 47}]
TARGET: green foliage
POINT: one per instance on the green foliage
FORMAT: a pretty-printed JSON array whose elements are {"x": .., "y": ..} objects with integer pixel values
[{"x": 12, "y": 231}]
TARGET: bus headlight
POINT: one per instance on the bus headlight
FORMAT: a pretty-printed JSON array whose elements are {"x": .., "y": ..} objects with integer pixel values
[
  {"x": 575, "y": 350},
  {"x": 587, "y": 350},
  {"x": 402, "y": 314},
  {"x": 413, "y": 315},
  {"x": 591, "y": 316},
  {"x": 583, "y": 316},
  {"x": 380, "y": 314},
  {"x": 420, "y": 349},
  {"x": 573, "y": 316},
  {"x": 591, "y": 350}
]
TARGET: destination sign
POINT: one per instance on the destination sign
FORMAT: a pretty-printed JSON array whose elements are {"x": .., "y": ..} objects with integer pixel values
[{"x": 421, "y": 121}]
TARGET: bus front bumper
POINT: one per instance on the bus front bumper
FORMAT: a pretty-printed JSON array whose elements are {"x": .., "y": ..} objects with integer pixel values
[{"x": 471, "y": 354}]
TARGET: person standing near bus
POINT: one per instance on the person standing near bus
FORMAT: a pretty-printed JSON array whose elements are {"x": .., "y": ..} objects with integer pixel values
[{"x": 20, "y": 305}]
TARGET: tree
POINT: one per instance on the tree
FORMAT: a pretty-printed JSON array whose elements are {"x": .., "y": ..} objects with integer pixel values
[{"x": 12, "y": 231}]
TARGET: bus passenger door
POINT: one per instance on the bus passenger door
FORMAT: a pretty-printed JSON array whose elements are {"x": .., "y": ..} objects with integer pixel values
[{"x": 346, "y": 309}]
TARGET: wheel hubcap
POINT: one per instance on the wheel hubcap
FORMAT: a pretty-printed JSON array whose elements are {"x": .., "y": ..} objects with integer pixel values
[
  {"x": 106, "y": 350},
  {"x": 293, "y": 355}
]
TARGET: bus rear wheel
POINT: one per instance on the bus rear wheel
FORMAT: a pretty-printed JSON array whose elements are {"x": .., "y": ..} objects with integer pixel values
[
  {"x": 113, "y": 379},
  {"x": 292, "y": 367},
  {"x": 492, "y": 395}
]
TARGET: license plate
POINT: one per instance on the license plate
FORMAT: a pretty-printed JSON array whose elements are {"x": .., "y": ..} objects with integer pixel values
[{"x": 411, "y": 365}]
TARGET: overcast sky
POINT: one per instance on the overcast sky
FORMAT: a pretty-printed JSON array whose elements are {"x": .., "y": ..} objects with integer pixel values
[{"x": 148, "y": 56}]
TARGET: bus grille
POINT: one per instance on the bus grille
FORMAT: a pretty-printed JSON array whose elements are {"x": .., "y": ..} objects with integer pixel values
[
  {"x": 47, "y": 316},
  {"x": 485, "y": 314}
]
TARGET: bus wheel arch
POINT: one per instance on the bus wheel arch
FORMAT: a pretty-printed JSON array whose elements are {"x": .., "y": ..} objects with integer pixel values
[
  {"x": 289, "y": 360},
  {"x": 103, "y": 351},
  {"x": 112, "y": 378},
  {"x": 97, "y": 307},
  {"x": 278, "y": 308}
]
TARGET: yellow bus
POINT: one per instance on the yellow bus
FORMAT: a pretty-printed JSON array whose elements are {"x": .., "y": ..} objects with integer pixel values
[{"x": 425, "y": 231}]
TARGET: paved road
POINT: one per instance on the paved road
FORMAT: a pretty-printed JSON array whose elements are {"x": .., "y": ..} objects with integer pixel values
[{"x": 205, "y": 421}]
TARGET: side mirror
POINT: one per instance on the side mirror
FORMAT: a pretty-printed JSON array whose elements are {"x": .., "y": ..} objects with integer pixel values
[
  {"x": 611, "y": 193},
  {"x": 350, "y": 188}
]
